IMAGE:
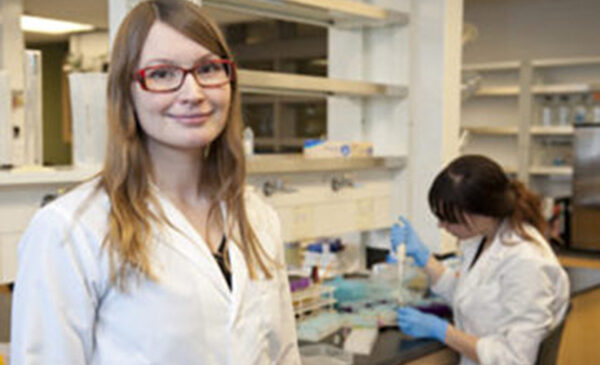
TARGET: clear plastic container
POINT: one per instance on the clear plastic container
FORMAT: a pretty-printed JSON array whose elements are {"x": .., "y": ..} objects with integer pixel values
[{"x": 323, "y": 354}]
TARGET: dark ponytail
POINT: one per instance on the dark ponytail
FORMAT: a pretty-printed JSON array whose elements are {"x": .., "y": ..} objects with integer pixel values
[
  {"x": 527, "y": 209},
  {"x": 476, "y": 184}
]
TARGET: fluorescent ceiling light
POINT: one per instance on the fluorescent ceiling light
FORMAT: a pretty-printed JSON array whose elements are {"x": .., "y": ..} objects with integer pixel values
[{"x": 36, "y": 24}]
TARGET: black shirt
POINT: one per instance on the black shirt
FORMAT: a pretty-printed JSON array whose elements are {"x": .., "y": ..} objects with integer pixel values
[{"x": 221, "y": 262}]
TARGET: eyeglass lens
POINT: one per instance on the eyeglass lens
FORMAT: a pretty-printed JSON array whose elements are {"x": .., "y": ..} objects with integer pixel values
[{"x": 167, "y": 77}]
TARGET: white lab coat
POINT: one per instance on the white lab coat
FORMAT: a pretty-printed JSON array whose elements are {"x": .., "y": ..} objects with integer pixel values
[
  {"x": 65, "y": 310},
  {"x": 513, "y": 296}
]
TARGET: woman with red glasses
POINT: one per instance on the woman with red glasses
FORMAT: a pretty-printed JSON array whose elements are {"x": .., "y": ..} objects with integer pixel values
[{"x": 165, "y": 257}]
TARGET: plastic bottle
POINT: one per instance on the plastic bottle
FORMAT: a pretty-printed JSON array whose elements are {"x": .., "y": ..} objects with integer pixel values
[
  {"x": 547, "y": 115},
  {"x": 589, "y": 107},
  {"x": 564, "y": 110},
  {"x": 248, "y": 141},
  {"x": 579, "y": 109},
  {"x": 595, "y": 108}
]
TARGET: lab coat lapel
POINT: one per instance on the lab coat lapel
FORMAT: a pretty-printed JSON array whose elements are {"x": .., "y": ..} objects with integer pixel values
[
  {"x": 487, "y": 262},
  {"x": 239, "y": 271},
  {"x": 184, "y": 239},
  {"x": 240, "y": 279}
]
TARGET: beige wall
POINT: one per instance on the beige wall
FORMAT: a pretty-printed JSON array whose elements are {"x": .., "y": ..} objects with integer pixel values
[{"x": 521, "y": 29}]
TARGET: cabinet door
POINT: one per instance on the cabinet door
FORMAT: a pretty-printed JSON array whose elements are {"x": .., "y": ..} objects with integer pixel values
[{"x": 315, "y": 209}]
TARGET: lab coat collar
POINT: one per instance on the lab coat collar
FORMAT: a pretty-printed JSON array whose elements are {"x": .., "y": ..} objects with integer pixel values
[{"x": 189, "y": 243}]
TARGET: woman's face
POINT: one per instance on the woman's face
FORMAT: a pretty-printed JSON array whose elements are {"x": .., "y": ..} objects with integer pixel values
[{"x": 190, "y": 117}]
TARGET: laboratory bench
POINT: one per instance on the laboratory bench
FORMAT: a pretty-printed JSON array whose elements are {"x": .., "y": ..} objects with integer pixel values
[{"x": 392, "y": 347}]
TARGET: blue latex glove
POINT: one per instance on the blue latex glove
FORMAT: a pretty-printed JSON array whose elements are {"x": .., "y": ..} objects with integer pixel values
[
  {"x": 406, "y": 235},
  {"x": 421, "y": 325}
]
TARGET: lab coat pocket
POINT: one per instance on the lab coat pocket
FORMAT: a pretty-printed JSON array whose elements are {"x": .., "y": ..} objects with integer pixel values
[
  {"x": 483, "y": 308},
  {"x": 270, "y": 313}
]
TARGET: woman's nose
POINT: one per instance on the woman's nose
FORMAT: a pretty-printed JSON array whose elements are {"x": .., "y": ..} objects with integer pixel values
[{"x": 191, "y": 90}]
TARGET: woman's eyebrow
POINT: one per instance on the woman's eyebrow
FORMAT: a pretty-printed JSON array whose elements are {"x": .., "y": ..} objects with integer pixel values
[
  {"x": 159, "y": 61},
  {"x": 168, "y": 61}
]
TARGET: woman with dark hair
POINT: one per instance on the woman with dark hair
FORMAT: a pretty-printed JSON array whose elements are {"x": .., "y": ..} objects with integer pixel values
[
  {"x": 510, "y": 290},
  {"x": 165, "y": 257}
]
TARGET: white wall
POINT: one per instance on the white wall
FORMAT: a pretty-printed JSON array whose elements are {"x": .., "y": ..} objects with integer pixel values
[
  {"x": 526, "y": 29},
  {"x": 11, "y": 60},
  {"x": 435, "y": 106}
]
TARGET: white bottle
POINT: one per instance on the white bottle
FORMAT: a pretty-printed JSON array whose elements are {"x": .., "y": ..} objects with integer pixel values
[
  {"x": 579, "y": 109},
  {"x": 547, "y": 114},
  {"x": 564, "y": 110},
  {"x": 248, "y": 141},
  {"x": 595, "y": 108}
]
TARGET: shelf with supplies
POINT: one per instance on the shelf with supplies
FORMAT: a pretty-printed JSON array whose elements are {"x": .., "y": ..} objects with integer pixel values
[
  {"x": 550, "y": 97},
  {"x": 297, "y": 163},
  {"x": 256, "y": 164},
  {"x": 543, "y": 130},
  {"x": 551, "y": 170},
  {"x": 326, "y": 13},
  {"x": 553, "y": 89}
]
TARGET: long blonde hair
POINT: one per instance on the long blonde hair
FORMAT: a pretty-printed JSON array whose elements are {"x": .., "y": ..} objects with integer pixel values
[{"x": 127, "y": 168}]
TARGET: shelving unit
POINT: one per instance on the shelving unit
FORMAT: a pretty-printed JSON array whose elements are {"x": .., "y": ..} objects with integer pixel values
[
  {"x": 272, "y": 100},
  {"x": 275, "y": 83},
  {"x": 494, "y": 134},
  {"x": 338, "y": 13},
  {"x": 530, "y": 80}
]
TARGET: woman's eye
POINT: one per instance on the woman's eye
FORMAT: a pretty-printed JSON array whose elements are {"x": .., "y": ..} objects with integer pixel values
[
  {"x": 161, "y": 73},
  {"x": 209, "y": 68}
]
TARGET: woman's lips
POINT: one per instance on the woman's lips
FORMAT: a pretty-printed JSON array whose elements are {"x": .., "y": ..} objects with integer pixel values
[{"x": 192, "y": 118}]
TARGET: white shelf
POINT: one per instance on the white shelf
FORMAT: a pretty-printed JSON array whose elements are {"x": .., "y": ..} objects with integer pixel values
[
  {"x": 565, "y": 62},
  {"x": 551, "y": 170},
  {"x": 272, "y": 141},
  {"x": 498, "y": 91},
  {"x": 257, "y": 164},
  {"x": 565, "y": 88},
  {"x": 45, "y": 175},
  {"x": 257, "y": 99},
  {"x": 493, "y": 66},
  {"x": 492, "y": 130},
  {"x": 275, "y": 83},
  {"x": 297, "y": 163},
  {"x": 325, "y": 13},
  {"x": 563, "y": 130}
]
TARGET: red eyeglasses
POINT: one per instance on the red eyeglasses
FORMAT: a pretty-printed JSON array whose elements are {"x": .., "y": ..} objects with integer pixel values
[{"x": 167, "y": 78}]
